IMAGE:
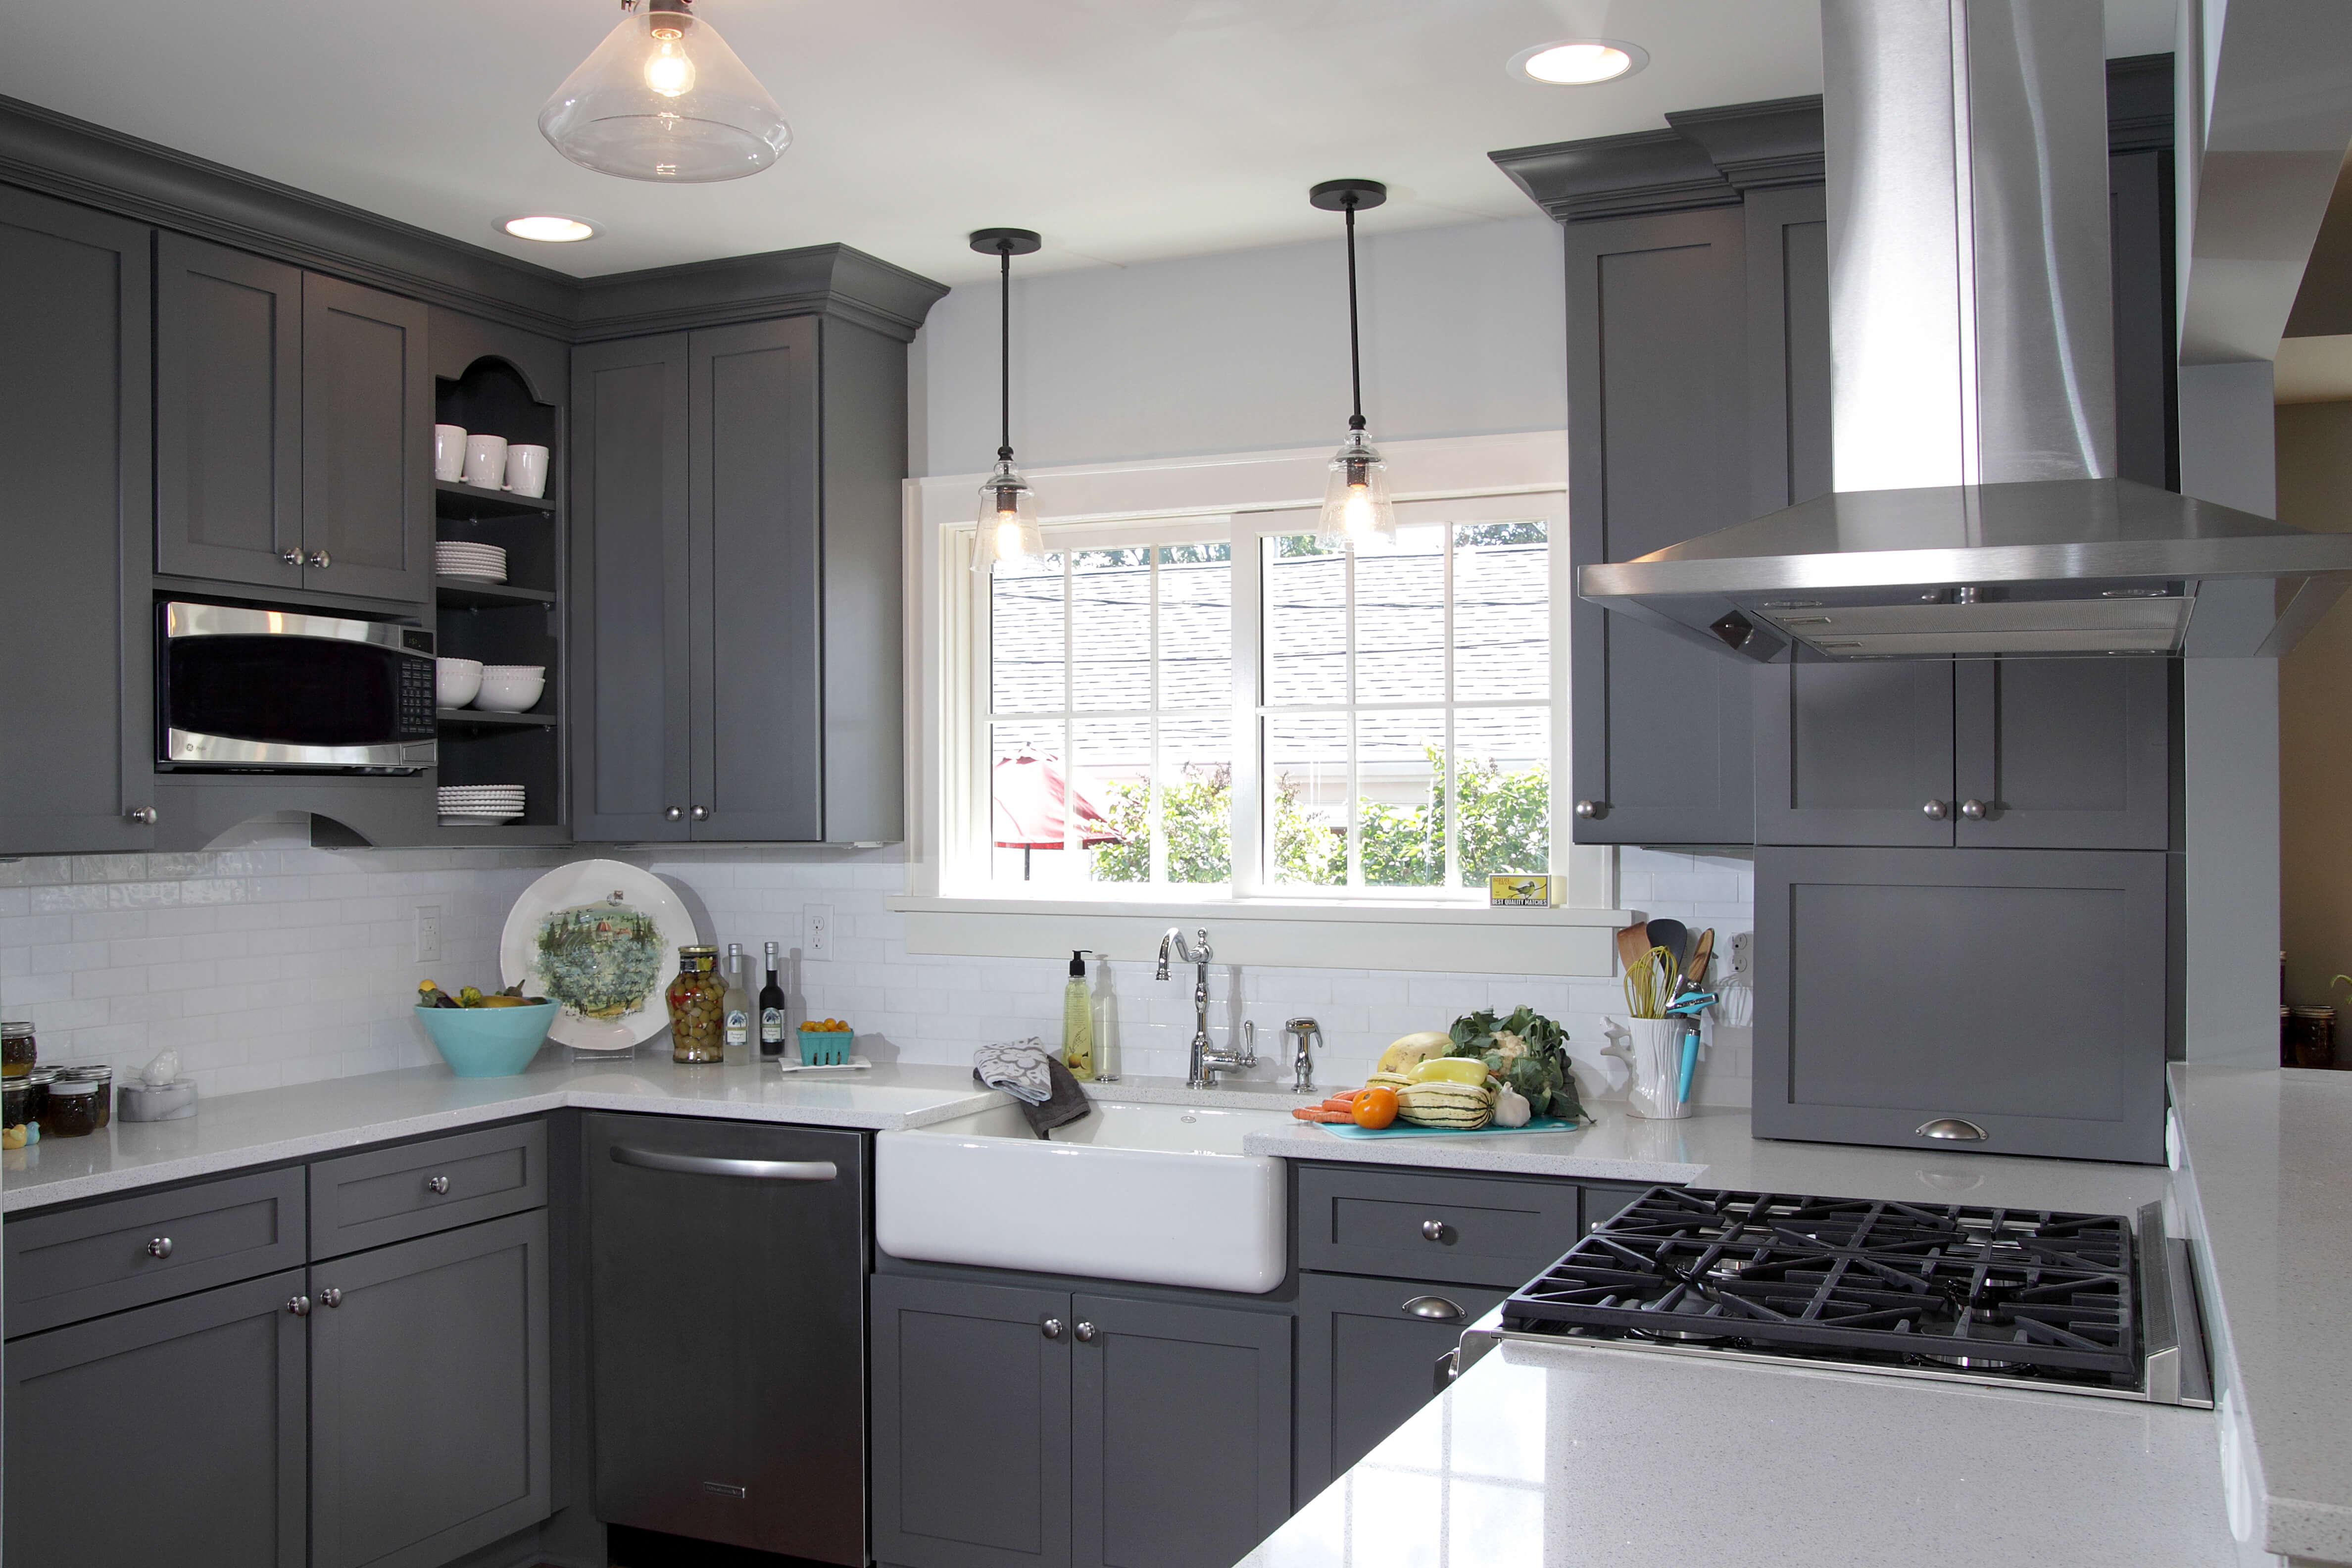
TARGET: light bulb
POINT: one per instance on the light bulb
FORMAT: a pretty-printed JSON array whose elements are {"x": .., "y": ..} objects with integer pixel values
[
  {"x": 1008, "y": 536},
  {"x": 1357, "y": 514},
  {"x": 668, "y": 70}
]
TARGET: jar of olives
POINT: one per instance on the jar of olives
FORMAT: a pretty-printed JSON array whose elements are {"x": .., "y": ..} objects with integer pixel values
[
  {"x": 697, "y": 1003},
  {"x": 18, "y": 1050}
]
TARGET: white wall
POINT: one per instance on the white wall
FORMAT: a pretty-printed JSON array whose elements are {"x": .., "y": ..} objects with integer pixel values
[{"x": 1464, "y": 331}]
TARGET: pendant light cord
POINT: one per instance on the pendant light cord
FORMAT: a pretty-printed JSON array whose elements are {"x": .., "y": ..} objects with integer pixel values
[
  {"x": 1355, "y": 352},
  {"x": 1004, "y": 348}
]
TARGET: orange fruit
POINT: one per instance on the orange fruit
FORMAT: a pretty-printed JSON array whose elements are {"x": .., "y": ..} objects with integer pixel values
[{"x": 1376, "y": 1107}]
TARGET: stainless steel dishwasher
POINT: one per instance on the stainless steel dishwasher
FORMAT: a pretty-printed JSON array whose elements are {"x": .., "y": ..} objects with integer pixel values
[{"x": 728, "y": 1294}]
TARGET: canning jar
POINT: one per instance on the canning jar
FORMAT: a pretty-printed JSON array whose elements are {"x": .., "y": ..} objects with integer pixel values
[
  {"x": 73, "y": 1108},
  {"x": 37, "y": 1092},
  {"x": 101, "y": 1076},
  {"x": 14, "y": 1132},
  {"x": 18, "y": 1051},
  {"x": 697, "y": 999}
]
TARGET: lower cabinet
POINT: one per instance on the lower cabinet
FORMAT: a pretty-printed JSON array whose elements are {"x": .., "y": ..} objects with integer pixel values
[
  {"x": 1017, "y": 1426},
  {"x": 1368, "y": 1352},
  {"x": 173, "y": 1434},
  {"x": 428, "y": 1396}
]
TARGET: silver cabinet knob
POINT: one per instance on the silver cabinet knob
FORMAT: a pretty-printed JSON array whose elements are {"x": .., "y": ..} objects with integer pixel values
[
  {"x": 1435, "y": 1308},
  {"x": 291, "y": 556},
  {"x": 1432, "y": 1230},
  {"x": 321, "y": 560},
  {"x": 436, "y": 1184},
  {"x": 1085, "y": 1329},
  {"x": 700, "y": 813},
  {"x": 1973, "y": 810},
  {"x": 1589, "y": 809},
  {"x": 1935, "y": 810},
  {"x": 161, "y": 1246},
  {"x": 300, "y": 1305},
  {"x": 1051, "y": 1328},
  {"x": 143, "y": 813},
  {"x": 332, "y": 1297},
  {"x": 671, "y": 813}
]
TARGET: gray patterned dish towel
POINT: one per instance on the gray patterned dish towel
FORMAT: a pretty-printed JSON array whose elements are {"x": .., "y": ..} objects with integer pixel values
[{"x": 1018, "y": 1067}]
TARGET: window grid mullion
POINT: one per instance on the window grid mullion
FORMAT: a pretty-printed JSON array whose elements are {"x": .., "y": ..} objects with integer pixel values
[
  {"x": 1155, "y": 816},
  {"x": 1355, "y": 793},
  {"x": 1450, "y": 873}
]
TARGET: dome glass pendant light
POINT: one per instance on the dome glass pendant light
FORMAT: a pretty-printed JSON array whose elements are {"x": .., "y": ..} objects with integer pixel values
[
  {"x": 664, "y": 98},
  {"x": 1008, "y": 507},
  {"x": 1357, "y": 511}
]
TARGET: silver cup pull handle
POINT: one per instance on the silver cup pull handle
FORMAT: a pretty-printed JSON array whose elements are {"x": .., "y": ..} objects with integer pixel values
[
  {"x": 1952, "y": 1129},
  {"x": 1435, "y": 1308}
]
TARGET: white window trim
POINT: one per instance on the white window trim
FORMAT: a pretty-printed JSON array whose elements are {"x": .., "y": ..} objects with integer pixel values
[{"x": 1259, "y": 492}]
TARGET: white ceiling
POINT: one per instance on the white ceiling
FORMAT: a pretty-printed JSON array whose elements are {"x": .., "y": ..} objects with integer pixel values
[{"x": 1122, "y": 129}]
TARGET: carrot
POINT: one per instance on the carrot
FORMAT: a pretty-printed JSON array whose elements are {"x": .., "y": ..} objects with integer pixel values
[{"x": 1320, "y": 1113}]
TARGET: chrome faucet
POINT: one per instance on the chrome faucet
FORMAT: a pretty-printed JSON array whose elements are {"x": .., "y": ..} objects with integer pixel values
[
  {"x": 1302, "y": 1060},
  {"x": 1207, "y": 1060}
]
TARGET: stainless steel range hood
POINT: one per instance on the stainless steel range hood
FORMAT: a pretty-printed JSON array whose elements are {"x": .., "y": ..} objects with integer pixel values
[{"x": 1976, "y": 510}]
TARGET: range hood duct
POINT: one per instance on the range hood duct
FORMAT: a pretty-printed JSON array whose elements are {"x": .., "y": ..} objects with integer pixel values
[{"x": 1976, "y": 508}]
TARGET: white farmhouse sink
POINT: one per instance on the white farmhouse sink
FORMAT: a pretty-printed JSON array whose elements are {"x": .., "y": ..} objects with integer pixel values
[{"x": 1156, "y": 1193}]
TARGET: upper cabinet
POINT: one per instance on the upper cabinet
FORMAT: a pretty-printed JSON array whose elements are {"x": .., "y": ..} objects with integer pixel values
[
  {"x": 735, "y": 584},
  {"x": 293, "y": 428}
]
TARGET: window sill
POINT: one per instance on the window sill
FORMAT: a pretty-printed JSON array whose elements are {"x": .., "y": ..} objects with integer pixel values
[{"x": 1454, "y": 939}]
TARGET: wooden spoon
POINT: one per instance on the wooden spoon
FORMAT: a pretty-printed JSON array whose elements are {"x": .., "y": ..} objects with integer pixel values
[
  {"x": 1631, "y": 943},
  {"x": 1702, "y": 952}
]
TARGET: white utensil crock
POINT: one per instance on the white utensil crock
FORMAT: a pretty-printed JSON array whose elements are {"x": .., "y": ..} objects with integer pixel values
[
  {"x": 1653, "y": 1051},
  {"x": 449, "y": 452},
  {"x": 486, "y": 461}
]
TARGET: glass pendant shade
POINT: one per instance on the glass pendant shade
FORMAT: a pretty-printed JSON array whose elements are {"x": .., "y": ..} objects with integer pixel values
[
  {"x": 1008, "y": 519},
  {"x": 1356, "y": 506},
  {"x": 664, "y": 98}
]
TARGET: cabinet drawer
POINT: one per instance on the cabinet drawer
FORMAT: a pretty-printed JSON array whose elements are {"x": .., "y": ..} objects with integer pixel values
[
  {"x": 1417, "y": 1225},
  {"x": 86, "y": 1262},
  {"x": 414, "y": 1189}
]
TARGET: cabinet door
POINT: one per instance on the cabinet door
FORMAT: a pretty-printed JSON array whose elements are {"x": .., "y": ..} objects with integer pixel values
[
  {"x": 428, "y": 1396},
  {"x": 1367, "y": 1349},
  {"x": 1174, "y": 1406},
  {"x": 168, "y": 1434},
  {"x": 971, "y": 1426},
  {"x": 2022, "y": 991},
  {"x": 1854, "y": 754},
  {"x": 758, "y": 768},
  {"x": 629, "y": 590},
  {"x": 228, "y": 414},
  {"x": 367, "y": 443},
  {"x": 1658, "y": 453},
  {"x": 2064, "y": 753},
  {"x": 76, "y": 526}
]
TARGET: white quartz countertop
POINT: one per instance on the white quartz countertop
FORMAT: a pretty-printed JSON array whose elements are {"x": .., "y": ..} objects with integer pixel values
[
  {"x": 1552, "y": 1458},
  {"x": 304, "y": 1120},
  {"x": 2270, "y": 1154}
]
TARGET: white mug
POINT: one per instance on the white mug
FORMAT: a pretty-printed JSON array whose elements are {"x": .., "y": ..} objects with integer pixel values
[
  {"x": 1653, "y": 1051},
  {"x": 527, "y": 470},
  {"x": 486, "y": 461},
  {"x": 448, "y": 451}
]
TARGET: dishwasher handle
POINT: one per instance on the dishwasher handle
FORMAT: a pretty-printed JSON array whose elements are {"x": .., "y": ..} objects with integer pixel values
[{"x": 718, "y": 1165}]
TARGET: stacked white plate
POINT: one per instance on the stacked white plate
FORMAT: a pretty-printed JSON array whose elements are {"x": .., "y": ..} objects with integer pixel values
[
  {"x": 456, "y": 558},
  {"x": 479, "y": 805}
]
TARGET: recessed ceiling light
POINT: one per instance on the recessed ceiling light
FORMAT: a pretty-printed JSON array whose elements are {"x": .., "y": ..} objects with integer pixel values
[
  {"x": 1578, "y": 62},
  {"x": 551, "y": 228}
]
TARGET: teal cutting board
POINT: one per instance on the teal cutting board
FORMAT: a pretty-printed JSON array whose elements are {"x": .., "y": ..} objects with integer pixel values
[{"x": 1403, "y": 1129}]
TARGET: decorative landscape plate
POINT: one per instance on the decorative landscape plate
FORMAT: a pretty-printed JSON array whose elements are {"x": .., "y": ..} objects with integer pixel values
[{"x": 601, "y": 938}]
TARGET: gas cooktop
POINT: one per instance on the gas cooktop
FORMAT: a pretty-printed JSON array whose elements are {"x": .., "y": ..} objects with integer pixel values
[{"x": 2085, "y": 1303}]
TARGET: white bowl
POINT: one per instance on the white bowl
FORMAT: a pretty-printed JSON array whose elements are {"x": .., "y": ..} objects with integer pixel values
[
  {"x": 511, "y": 688},
  {"x": 456, "y": 682}
]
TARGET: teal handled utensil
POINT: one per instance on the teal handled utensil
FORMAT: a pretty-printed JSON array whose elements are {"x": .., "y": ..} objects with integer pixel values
[{"x": 1686, "y": 1006}]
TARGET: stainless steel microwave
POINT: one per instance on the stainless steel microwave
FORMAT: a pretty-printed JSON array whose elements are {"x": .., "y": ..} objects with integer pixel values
[{"x": 274, "y": 690}]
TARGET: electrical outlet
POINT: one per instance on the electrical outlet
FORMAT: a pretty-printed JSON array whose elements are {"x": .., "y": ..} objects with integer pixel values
[
  {"x": 1743, "y": 952},
  {"x": 428, "y": 933},
  {"x": 816, "y": 930}
]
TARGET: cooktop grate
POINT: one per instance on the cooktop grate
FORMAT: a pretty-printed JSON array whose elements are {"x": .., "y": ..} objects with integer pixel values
[{"x": 1956, "y": 1285}]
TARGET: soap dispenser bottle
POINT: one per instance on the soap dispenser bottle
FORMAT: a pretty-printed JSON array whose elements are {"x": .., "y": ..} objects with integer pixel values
[{"x": 1078, "y": 1022}]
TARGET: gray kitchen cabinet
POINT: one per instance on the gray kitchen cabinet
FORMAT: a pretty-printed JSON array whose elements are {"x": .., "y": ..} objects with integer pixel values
[
  {"x": 1658, "y": 445},
  {"x": 727, "y": 1300},
  {"x": 2007, "y": 753},
  {"x": 1431, "y": 1226},
  {"x": 171, "y": 1433},
  {"x": 1366, "y": 1350},
  {"x": 367, "y": 443},
  {"x": 429, "y": 1426},
  {"x": 228, "y": 414},
  {"x": 972, "y": 1419},
  {"x": 1173, "y": 1404},
  {"x": 2053, "y": 1012},
  {"x": 76, "y": 523},
  {"x": 736, "y": 584}
]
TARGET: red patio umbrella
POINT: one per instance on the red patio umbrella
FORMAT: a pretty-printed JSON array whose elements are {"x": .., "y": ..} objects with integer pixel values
[{"x": 1029, "y": 794}]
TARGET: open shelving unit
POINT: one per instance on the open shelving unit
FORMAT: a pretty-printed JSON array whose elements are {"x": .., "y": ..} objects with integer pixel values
[{"x": 519, "y": 621}]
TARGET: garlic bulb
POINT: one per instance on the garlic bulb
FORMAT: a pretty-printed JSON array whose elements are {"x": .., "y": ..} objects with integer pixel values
[{"x": 1511, "y": 1108}]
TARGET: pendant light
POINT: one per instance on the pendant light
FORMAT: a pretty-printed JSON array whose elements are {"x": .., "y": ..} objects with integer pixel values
[
  {"x": 664, "y": 98},
  {"x": 1008, "y": 507},
  {"x": 1356, "y": 506}
]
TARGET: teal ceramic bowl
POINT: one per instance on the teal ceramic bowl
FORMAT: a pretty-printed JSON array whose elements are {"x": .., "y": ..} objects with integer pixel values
[{"x": 487, "y": 1042}]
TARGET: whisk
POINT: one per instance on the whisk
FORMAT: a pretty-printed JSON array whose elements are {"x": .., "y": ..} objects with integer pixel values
[{"x": 1650, "y": 984}]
